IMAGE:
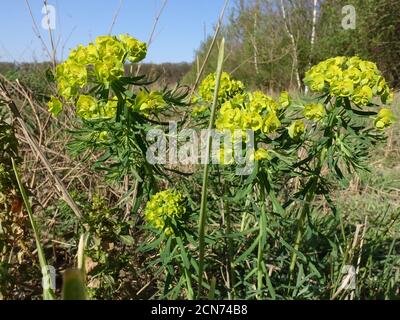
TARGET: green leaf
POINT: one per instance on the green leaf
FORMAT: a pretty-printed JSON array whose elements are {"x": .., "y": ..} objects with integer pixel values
[
  {"x": 127, "y": 239},
  {"x": 74, "y": 286}
]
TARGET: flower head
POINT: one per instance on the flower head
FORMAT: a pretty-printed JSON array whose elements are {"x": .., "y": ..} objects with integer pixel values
[
  {"x": 102, "y": 60},
  {"x": 262, "y": 154},
  {"x": 108, "y": 70},
  {"x": 71, "y": 76},
  {"x": 352, "y": 77},
  {"x": 147, "y": 102},
  {"x": 296, "y": 129},
  {"x": 253, "y": 111},
  {"x": 110, "y": 48},
  {"x": 271, "y": 123},
  {"x": 164, "y": 210},
  {"x": 251, "y": 120},
  {"x": 362, "y": 96},
  {"x": 199, "y": 110},
  {"x": 384, "y": 119},
  {"x": 87, "y": 107},
  {"x": 342, "y": 87},
  {"x": 314, "y": 111},
  {"x": 55, "y": 106},
  {"x": 259, "y": 101},
  {"x": 315, "y": 81},
  {"x": 228, "y": 88},
  {"x": 136, "y": 49},
  {"x": 284, "y": 99}
]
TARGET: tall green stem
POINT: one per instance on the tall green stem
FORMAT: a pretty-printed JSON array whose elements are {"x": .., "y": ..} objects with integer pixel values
[
  {"x": 261, "y": 242},
  {"x": 202, "y": 218},
  {"x": 231, "y": 275},
  {"x": 48, "y": 293},
  {"x": 300, "y": 223},
  {"x": 306, "y": 210}
]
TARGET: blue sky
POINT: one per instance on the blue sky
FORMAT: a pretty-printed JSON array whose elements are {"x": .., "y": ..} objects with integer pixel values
[{"x": 179, "y": 31}]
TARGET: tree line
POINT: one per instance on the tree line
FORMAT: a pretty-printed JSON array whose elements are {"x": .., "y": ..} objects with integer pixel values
[{"x": 271, "y": 43}]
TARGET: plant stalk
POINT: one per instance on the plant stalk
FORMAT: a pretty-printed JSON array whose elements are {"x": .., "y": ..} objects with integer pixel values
[
  {"x": 48, "y": 293},
  {"x": 230, "y": 272},
  {"x": 202, "y": 218},
  {"x": 300, "y": 225}
]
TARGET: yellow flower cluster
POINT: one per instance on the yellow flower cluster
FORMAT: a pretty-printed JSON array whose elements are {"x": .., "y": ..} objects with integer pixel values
[
  {"x": 314, "y": 111},
  {"x": 262, "y": 154},
  {"x": 251, "y": 111},
  {"x": 146, "y": 102},
  {"x": 352, "y": 77},
  {"x": 296, "y": 129},
  {"x": 89, "y": 108},
  {"x": 226, "y": 156},
  {"x": 98, "y": 62},
  {"x": 228, "y": 88},
  {"x": 103, "y": 61},
  {"x": 254, "y": 111},
  {"x": 199, "y": 110},
  {"x": 163, "y": 209},
  {"x": 384, "y": 119},
  {"x": 55, "y": 106}
]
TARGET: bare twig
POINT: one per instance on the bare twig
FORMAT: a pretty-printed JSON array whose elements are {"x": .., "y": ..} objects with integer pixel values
[
  {"x": 36, "y": 30},
  {"x": 53, "y": 47},
  {"x": 360, "y": 251},
  {"x": 295, "y": 65},
  {"x": 116, "y": 16},
  {"x": 216, "y": 33},
  {"x": 312, "y": 40},
  {"x": 37, "y": 149},
  {"x": 153, "y": 30}
]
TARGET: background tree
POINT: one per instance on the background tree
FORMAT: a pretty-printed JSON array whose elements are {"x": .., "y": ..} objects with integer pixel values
[{"x": 266, "y": 48}]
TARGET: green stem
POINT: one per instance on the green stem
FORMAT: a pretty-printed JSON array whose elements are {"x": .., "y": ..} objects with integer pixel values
[
  {"x": 231, "y": 275},
  {"x": 306, "y": 210},
  {"x": 300, "y": 224},
  {"x": 342, "y": 229},
  {"x": 261, "y": 242},
  {"x": 48, "y": 293},
  {"x": 260, "y": 260},
  {"x": 202, "y": 218}
]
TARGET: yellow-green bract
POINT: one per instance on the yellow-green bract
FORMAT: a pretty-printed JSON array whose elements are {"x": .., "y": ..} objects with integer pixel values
[
  {"x": 100, "y": 62},
  {"x": 163, "y": 209},
  {"x": 352, "y": 77},
  {"x": 384, "y": 119},
  {"x": 228, "y": 88},
  {"x": 296, "y": 129}
]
